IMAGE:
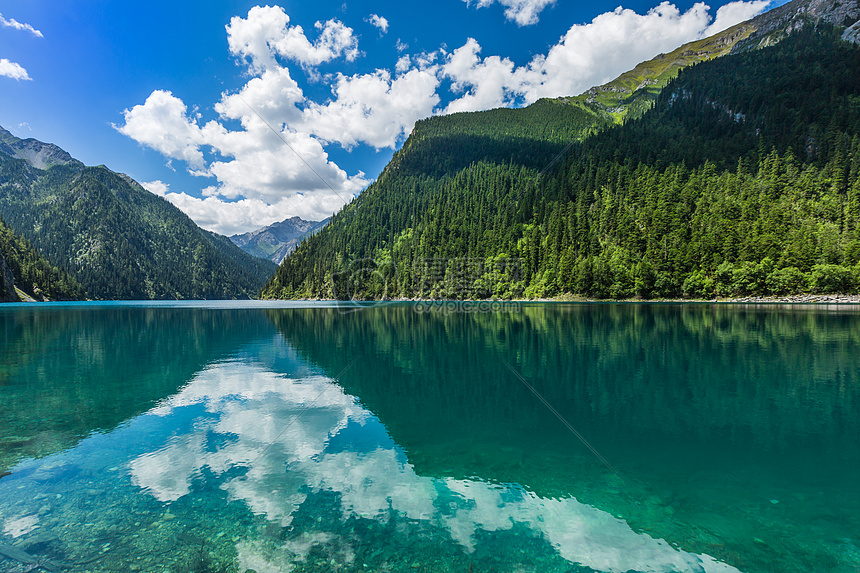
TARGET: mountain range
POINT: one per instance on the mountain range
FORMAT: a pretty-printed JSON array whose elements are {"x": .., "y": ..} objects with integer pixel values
[
  {"x": 729, "y": 166},
  {"x": 277, "y": 240},
  {"x": 114, "y": 238},
  {"x": 737, "y": 175}
]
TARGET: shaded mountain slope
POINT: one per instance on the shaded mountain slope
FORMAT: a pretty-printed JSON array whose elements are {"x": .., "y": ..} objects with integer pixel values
[{"x": 507, "y": 149}]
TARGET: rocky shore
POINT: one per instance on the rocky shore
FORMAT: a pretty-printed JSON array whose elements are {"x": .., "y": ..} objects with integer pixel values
[
  {"x": 798, "y": 299},
  {"x": 788, "y": 299}
]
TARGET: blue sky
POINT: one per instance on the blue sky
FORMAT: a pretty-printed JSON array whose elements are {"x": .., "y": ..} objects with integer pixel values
[{"x": 243, "y": 113}]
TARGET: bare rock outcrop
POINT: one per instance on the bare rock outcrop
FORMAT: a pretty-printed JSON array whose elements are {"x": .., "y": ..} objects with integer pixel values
[
  {"x": 774, "y": 25},
  {"x": 39, "y": 155},
  {"x": 852, "y": 34}
]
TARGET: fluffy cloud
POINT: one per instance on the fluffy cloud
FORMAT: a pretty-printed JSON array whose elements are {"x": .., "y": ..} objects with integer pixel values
[
  {"x": 403, "y": 64},
  {"x": 490, "y": 82},
  {"x": 234, "y": 217},
  {"x": 158, "y": 187},
  {"x": 735, "y": 13},
  {"x": 249, "y": 214},
  {"x": 266, "y": 149},
  {"x": 12, "y": 23},
  {"x": 374, "y": 108},
  {"x": 281, "y": 428},
  {"x": 162, "y": 123},
  {"x": 276, "y": 175},
  {"x": 264, "y": 36},
  {"x": 379, "y": 22},
  {"x": 523, "y": 12},
  {"x": 275, "y": 166},
  {"x": 12, "y": 70},
  {"x": 587, "y": 55}
]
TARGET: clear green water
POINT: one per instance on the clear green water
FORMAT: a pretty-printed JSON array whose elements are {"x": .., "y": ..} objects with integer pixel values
[{"x": 236, "y": 437}]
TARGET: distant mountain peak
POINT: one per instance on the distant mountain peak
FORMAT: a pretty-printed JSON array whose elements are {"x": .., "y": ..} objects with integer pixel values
[
  {"x": 277, "y": 240},
  {"x": 38, "y": 154}
]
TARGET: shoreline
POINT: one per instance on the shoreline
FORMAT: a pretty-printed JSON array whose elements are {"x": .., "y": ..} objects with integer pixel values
[
  {"x": 806, "y": 299},
  {"x": 789, "y": 299}
]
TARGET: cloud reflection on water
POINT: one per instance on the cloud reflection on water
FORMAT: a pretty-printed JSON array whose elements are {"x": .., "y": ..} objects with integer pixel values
[{"x": 281, "y": 430}]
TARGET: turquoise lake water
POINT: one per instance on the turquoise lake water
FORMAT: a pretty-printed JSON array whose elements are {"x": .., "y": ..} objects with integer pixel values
[{"x": 196, "y": 437}]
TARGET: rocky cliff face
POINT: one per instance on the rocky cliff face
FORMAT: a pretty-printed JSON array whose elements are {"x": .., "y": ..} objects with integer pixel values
[
  {"x": 39, "y": 155},
  {"x": 773, "y": 26},
  {"x": 852, "y": 34}
]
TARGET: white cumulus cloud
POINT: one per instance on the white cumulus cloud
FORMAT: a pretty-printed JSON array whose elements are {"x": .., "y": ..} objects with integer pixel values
[
  {"x": 265, "y": 35},
  {"x": 379, "y": 22},
  {"x": 231, "y": 218},
  {"x": 374, "y": 109},
  {"x": 265, "y": 176},
  {"x": 523, "y": 12},
  {"x": 234, "y": 217},
  {"x": 404, "y": 63},
  {"x": 734, "y": 13},
  {"x": 162, "y": 123},
  {"x": 12, "y": 70},
  {"x": 275, "y": 166},
  {"x": 266, "y": 149},
  {"x": 587, "y": 55},
  {"x": 489, "y": 82},
  {"x": 13, "y": 23},
  {"x": 157, "y": 187}
]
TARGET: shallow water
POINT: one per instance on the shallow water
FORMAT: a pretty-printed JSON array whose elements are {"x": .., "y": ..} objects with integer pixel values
[{"x": 310, "y": 437}]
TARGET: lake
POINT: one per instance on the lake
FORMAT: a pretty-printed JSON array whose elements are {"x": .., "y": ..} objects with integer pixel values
[{"x": 274, "y": 437}]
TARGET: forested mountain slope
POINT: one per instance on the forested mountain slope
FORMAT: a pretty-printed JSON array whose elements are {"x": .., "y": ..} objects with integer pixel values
[
  {"x": 499, "y": 149},
  {"x": 22, "y": 267},
  {"x": 743, "y": 178},
  {"x": 117, "y": 239}
]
